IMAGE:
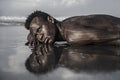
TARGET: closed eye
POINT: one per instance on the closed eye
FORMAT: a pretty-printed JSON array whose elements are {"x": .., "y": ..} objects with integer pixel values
[{"x": 39, "y": 28}]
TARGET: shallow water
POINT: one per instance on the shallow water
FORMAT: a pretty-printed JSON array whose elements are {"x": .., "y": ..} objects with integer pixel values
[{"x": 68, "y": 63}]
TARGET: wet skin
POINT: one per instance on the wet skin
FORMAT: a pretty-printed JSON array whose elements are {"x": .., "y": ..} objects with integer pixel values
[
  {"x": 30, "y": 39},
  {"x": 91, "y": 29},
  {"x": 42, "y": 30},
  {"x": 80, "y": 30}
]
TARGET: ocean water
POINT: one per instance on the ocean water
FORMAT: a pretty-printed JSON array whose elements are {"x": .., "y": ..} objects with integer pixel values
[
  {"x": 61, "y": 62},
  {"x": 17, "y": 20}
]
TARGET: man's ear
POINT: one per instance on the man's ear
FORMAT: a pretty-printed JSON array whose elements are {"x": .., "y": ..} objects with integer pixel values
[{"x": 50, "y": 19}]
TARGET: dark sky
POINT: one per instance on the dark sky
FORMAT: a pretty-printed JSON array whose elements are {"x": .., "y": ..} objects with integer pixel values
[{"x": 59, "y": 8}]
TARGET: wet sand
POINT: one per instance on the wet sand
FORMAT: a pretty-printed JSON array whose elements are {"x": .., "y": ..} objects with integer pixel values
[{"x": 75, "y": 63}]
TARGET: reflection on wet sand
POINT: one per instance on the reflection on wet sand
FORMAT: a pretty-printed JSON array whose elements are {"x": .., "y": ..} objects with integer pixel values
[
  {"x": 45, "y": 58},
  {"x": 91, "y": 58}
]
